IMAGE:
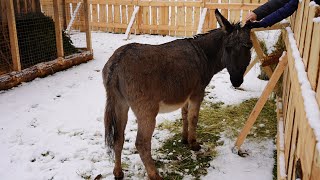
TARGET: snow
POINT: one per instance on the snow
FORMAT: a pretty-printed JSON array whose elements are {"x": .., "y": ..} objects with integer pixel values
[
  {"x": 53, "y": 127},
  {"x": 316, "y": 20},
  {"x": 309, "y": 96},
  {"x": 228, "y": 166}
]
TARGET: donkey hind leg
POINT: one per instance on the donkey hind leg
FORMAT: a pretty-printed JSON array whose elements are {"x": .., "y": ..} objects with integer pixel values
[
  {"x": 146, "y": 125},
  {"x": 121, "y": 110},
  {"x": 184, "y": 113},
  {"x": 193, "y": 114}
]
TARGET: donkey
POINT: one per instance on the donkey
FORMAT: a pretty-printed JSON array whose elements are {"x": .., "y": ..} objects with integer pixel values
[{"x": 154, "y": 79}]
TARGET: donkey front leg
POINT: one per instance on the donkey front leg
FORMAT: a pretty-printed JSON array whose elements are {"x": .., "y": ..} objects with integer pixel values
[
  {"x": 193, "y": 113},
  {"x": 146, "y": 127}
]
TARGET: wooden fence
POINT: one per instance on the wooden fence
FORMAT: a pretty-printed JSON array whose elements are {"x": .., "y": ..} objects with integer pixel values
[
  {"x": 298, "y": 114},
  {"x": 166, "y": 17}
]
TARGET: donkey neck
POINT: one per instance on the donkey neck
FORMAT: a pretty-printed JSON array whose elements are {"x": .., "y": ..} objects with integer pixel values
[{"x": 211, "y": 45}]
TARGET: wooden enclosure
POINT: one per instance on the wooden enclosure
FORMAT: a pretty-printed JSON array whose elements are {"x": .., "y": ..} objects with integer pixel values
[
  {"x": 165, "y": 17},
  {"x": 298, "y": 109},
  {"x": 12, "y": 72}
]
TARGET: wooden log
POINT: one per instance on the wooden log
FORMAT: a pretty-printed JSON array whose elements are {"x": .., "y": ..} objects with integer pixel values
[
  {"x": 14, "y": 47},
  {"x": 15, "y": 78},
  {"x": 262, "y": 100}
]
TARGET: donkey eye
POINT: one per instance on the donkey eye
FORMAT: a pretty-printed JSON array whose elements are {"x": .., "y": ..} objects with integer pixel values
[{"x": 247, "y": 45}]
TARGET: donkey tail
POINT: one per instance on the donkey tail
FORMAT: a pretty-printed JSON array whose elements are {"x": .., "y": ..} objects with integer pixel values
[{"x": 110, "y": 123}]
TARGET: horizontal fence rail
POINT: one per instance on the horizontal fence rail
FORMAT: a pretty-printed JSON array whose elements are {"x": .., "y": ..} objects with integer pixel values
[{"x": 165, "y": 17}]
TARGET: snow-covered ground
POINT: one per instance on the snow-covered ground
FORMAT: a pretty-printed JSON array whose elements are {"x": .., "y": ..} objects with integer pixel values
[{"x": 52, "y": 128}]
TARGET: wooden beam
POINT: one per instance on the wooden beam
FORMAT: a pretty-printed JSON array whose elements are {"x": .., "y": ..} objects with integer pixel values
[
  {"x": 14, "y": 47},
  {"x": 57, "y": 24},
  {"x": 262, "y": 100},
  {"x": 259, "y": 52},
  {"x": 133, "y": 17},
  {"x": 87, "y": 24},
  {"x": 201, "y": 21},
  {"x": 251, "y": 66}
]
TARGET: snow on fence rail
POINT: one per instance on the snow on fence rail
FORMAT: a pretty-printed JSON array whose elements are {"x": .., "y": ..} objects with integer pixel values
[
  {"x": 301, "y": 96},
  {"x": 166, "y": 17}
]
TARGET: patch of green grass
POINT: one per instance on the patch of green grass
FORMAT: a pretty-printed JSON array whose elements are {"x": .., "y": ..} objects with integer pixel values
[{"x": 176, "y": 160}]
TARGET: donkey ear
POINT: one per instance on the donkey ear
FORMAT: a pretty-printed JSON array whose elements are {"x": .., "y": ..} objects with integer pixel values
[{"x": 223, "y": 22}]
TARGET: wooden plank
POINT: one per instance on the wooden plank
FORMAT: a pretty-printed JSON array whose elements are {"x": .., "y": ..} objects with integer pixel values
[
  {"x": 154, "y": 18},
  {"x": 262, "y": 100},
  {"x": 58, "y": 30},
  {"x": 189, "y": 23},
  {"x": 212, "y": 20},
  {"x": 196, "y": 15},
  {"x": 145, "y": 18},
  {"x": 116, "y": 17},
  {"x": 245, "y": 12},
  {"x": 292, "y": 155},
  {"x": 173, "y": 20},
  {"x": 234, "y": 13},
  {"x": 180, "y": 21},
  {"x": 289, "y": 129},
  {"x": 304, "y": 26},
  {"x": 298, "y": 22},
  {"x": 94, "y": 17},
  {"x": 224, "y": 11},
  {"x": 127, "y": 34},
  {"x": 124, "y": 18},
  {"x": 110, "y": 17},
  {"x": 130, "y": 10},
  {"x": 87, "y": 24},
  {"x": 307, "y": 43},
  {"x": 102, "y": 16},
  {"x": 236, "y": 6},
  {"x": 202, "y": 19},
  {"x": 315, "y": 172},
  {"x": 259, "y": 52},
  {"x": 313, "y": 67},
  {"x": 14, "y": 47}
]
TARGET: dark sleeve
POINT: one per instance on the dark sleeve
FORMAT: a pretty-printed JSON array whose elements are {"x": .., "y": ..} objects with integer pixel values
[
  {"x": 282, "y": 13},
  {"x": 268, "y": 8},
  {"x": 317, "y": 1}
]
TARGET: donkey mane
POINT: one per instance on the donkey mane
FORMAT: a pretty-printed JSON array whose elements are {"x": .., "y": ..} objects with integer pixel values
[{"x": 236, "y": 26}]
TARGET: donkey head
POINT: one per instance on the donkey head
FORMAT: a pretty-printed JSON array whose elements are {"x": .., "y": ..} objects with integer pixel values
[{"x": 236, "y": 49}]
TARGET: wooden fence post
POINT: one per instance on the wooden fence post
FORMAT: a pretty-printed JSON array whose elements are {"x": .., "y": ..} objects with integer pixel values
[
  {"x": 14, "y": 47},
  {"x": 57, "y": 24},
  {"x": 262, "y": 100},
  {"x": 87, "y": 24}
]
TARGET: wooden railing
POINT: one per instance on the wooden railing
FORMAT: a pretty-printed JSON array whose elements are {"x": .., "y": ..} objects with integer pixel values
[
  {"x": 299, "y": 113},
  {"x": 166, "y": 17}
]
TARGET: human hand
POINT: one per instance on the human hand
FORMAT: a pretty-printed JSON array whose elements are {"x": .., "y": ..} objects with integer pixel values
[
  {"x": 251, "y": 17},
  {"x": 252, "y": 25}
]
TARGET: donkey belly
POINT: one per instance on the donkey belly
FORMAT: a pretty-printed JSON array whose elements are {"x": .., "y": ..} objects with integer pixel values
[{"x": 165, "y": 108}]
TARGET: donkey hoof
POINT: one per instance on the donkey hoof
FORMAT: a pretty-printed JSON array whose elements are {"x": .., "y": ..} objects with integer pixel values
[
  {"x": 156, "y": 177},
  {"x": 184, "y": 141},
  {"x": 195, "y": 146},
  {"x": 118, "y": 175}
]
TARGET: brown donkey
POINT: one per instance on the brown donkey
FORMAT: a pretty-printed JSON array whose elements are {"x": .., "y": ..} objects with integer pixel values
[{"x": 154, "y": 79}]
